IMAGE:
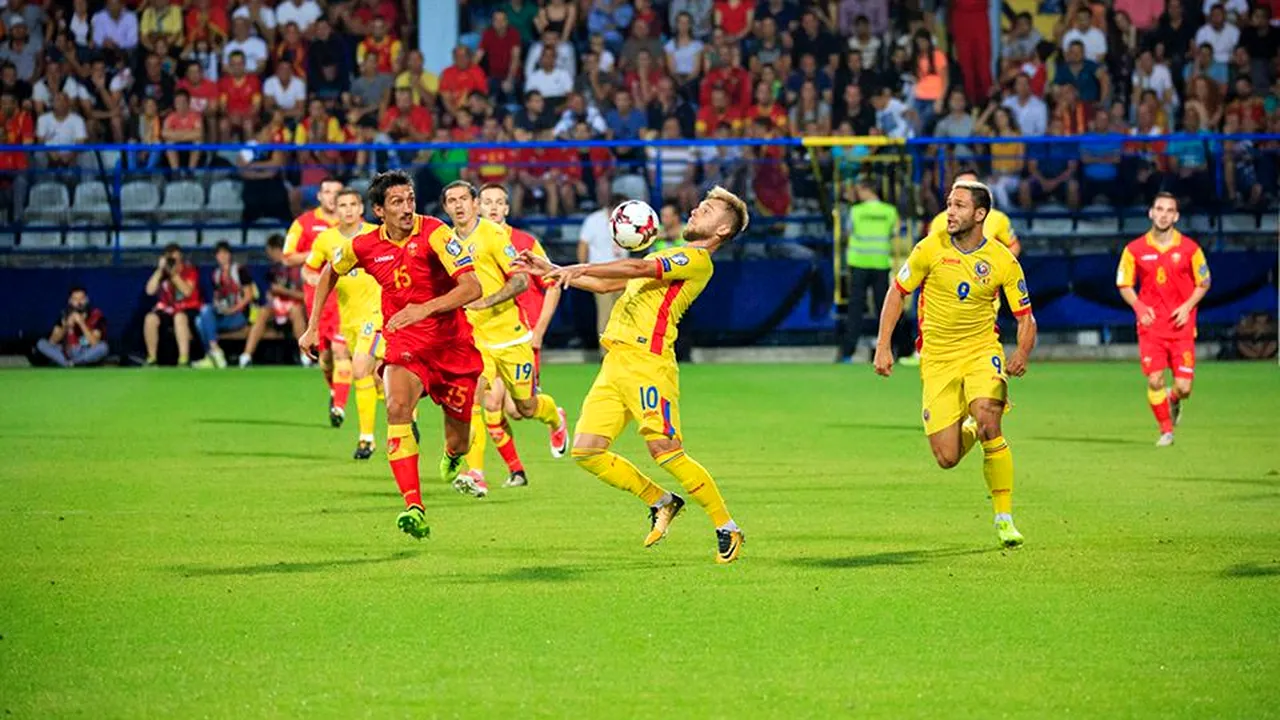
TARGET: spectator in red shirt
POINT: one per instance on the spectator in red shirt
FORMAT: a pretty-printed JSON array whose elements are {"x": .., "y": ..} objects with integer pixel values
[
  {"x": 768, "y": 108},
  {"x": 718, "y": 111},
  {"x": 489, "y": 164},
  {"x": 176, "y": 287},
  {"x": 79, "y": 336},
  {"x": 389, "y": 51},
  {"x": 499, "y": 56},
  {"x": 642, "y": 82},
  {"x": 18, "y": 129},
  {"x": 202, "y": 91},
  {"x": 240, "y": 98},
  {"x": 207, "y": 22},
  {"x": 735, "y": 18},
  {"x": 461, "y": 79},
  {"x": 368, "y": 10},
  {"x": 183, "y": 126},
  {"x": 732, "y": 77},
  {"x": 406, "y": 122}
]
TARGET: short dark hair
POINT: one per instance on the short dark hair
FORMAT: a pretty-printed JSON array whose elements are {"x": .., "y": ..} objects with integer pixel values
[
  {"x": 1167, "y": 196},
  {"x": 382, "y": 182},
  {"x": 182, "y": 93},
  {"x": 980, "y": 193},
  {"x": 330, "y": 179},
  {"x": 75, "y": 289},
  {"x": 348, "y": 190},
  {"x": 495, "y": 186},
  {"x": 471, "y": 189},
  {"x": 172, "y": 247},
  {"x": 276, "y": 241},
  {"x": 235, "y": 53},
  {"x": 222, "y": 245}
]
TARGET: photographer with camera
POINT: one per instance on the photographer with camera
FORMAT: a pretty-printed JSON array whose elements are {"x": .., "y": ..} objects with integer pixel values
[
  {"x": 233, "y": 293},
  {"x": 176, "y": 286},
  {"x": 77, "y": 339}
]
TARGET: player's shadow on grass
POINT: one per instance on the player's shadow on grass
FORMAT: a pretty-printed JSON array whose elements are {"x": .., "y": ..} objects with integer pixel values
[
  {"x": 529, "y": 574},
  {"x": 265, "y": 454},
  {"x": 260, "y": 422},
  {"x": 1249, "y": 482},
  {"x": 901, "y": 557},
  {"x": 1252, "y": 570},
  {"x": 285, "y": 568}
]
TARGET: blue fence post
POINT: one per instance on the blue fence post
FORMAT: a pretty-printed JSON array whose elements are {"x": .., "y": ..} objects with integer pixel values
[
  {"x": 655, "y": 189},
  {"x": 1220, "y": 190},
  {"x": 117, "y": 212}
]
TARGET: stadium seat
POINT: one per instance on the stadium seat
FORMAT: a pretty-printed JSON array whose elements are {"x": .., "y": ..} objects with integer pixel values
[
  {"x": 1051, "y": 225},
  {"x": 92, "y": 203},
  {"x": 1269, "y": 223},
  {"x": 88, "y": 239},
  {"x": 226, "y": 200},
  {"x": 8, "y": 240},
  {"x": 1239, "y": 223},
  {"x": 233, "y": 236},
  {"x": 136, "y": 238},
  {"x": 256, "y": 236},
  {"x": 39, "y": 239},
  {"x": 1199, "y": 224},
  {"x": 48, "y": 203},
  {"x": 185, "y": 237},
  {"x": 1095, "y": 220},
  {"x": 360, "y": 185},
  {"x": 1135, "y": 224},
  {"x": 139, "y": 199},
  {"x": 183, "y": 200}
]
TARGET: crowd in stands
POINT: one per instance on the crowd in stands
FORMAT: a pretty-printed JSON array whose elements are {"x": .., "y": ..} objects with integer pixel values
[{"x": 245, "y": 71}]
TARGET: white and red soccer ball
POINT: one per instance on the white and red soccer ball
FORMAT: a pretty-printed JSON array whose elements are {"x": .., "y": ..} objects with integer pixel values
[{"x": 634, "y": 225}]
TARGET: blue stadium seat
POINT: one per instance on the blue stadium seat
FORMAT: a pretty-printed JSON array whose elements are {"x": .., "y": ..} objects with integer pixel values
[
  {"x": 226, "y": 201},
  {"x": 92, "y": 203},
  {"x": 48, "y": 203},
  {"x": 139, "y": 199}
]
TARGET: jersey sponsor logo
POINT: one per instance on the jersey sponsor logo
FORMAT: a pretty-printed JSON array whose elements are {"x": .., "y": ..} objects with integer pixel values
[
  {"x": 453, "y": 247},
  {"x": 951, "y": 261},
  {"x": 319, "y": 228},
  {"x": 680, "y": 259},
  {"x": 1151, "y": 256},
  {"x": 981, "y": 268},
  {"x": 384, "y": 258}
]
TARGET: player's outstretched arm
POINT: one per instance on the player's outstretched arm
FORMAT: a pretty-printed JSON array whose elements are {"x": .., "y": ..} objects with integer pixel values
[
  {"x": 324, "y": 285},
  {"x": 549, "y": 305},
  {"x": 889, "y": 316},
  {"x": 467, "y": 290},
  {"x": 1017, "y": 364},
  {"x": 514, "y": 285}
]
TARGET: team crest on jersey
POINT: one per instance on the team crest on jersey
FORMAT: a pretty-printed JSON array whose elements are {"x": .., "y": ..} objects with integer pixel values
[
  {"x": 412, "y": 247},
  {"x": 981, "y": 268},
  {"x": 1177, "y": 257},
  {"x": 680, "y": 259},
  {"x": 368, "y": 328},
  {"x": 453, "y": 247}
]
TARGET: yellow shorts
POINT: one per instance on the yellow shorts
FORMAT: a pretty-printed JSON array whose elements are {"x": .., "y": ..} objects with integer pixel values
[
  {"x": 950, "y": 387},
  {"x": 365, "y": 338},
  {"x": 633, "y": 385},
  {"x": 514, "y": 365}
]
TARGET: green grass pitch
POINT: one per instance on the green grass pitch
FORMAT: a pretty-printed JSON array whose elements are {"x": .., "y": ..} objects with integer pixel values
[{"x": 178, "y": 544}]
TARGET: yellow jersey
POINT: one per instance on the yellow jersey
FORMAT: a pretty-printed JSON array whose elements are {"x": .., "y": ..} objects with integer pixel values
[
  {"x": 649, "y": 310},
  {"x": 996, "y": 226},
  {"x": 501, "y": 325},
  {"x": 359, "y": 295},
  {"x": 957, "y": 313}
]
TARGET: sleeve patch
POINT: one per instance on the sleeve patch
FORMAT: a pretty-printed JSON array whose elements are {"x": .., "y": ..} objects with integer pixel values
[
  {"x": 453, "y": 247},
  {"x": 905, "y": 273},
  {"x": 509, "y": 252},
  {"x": 1022, "y": 286},
  {"x": 463, "y": 261},
  {"x": 666, "y": 263},
  {"x": 680, "y": 258}
]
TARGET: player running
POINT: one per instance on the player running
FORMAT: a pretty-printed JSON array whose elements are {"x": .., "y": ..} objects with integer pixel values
[
  {"x": 996, "y": 226},
  {"x": 426, "y": 277},
  {"x": 537, "y": 306},
  {"x": 1172, "y": 278},
  {"x": 335, "y": 361},
  {"x": 639, "y": 379},
  {"x": 501, "y": 334},
  {"x": 962, "y": 364},
  {"x": 359, "y": 307}
]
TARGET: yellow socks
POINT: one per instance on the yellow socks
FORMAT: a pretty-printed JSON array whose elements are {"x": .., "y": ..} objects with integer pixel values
[
  {"x": 366, "y": 406},
  {"x": 618, "y": 472},
  {"x": 697, "y": 482},
  {"x": 547, "y": 411},
  {"x": 479, "y": 435},
  {"x": 997, "y": 468}
]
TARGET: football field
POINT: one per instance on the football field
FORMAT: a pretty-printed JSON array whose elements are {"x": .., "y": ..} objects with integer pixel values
[{"x": 185, "y": 544}]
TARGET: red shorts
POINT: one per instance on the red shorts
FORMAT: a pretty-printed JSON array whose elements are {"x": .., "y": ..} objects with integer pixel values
[
  {"x": 1159, "y": 354},
  {"x": 330, "y": 322},
  {"x": 449, "y": 374}
]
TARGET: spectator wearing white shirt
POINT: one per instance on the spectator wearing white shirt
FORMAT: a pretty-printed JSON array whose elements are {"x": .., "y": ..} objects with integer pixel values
[
  {"x": 61, "y": 126},
  {"x": 893, "y": 118},
  {"x": 114, "y": 26},
  {"x": 1221, "y": 35},
  {"x": 1148, "y": 75},
  {"x": 254, "y": 48},
  {"x": 1234, "y": 8},
  {"x": 56, "y": 81},
  {"x": 261, "y": 18},
  {"x": 596, "y": 245},
  {"x": 286, "y": 91},
  {"x": 553, "y": 82},
  {"x": 577, "y": 110},
  {"x": 1029, "y": 111},
  {"x": 564, "y": 54},
  {"x": 303, "y": 13},
  {"x": 1094, "y": 40}
]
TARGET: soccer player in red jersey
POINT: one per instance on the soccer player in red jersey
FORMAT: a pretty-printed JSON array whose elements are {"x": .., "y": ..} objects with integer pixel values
[
  {"x": 537, "y": 305},
  {"x": 335, "y": 360},
  {"x": 426, "y": 276},
  {"x": 1171, "y": 276}
]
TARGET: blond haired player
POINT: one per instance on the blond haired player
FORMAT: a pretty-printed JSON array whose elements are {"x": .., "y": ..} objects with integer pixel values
[
  {"x": 639, "y": 379},
  {"x": 359, "y": 307},
  {"x": 501, "y": 334},
  {"x": 996, "y": 226},
  {"x": 537, "y": 306},
  {"x": 962, "y": 364}
]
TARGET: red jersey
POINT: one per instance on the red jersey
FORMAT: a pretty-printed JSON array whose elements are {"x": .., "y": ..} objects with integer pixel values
[
  {"x": 387, "y": 50},
  {"x": 203, "y": 96},
  {"x": 735, "y": 81},
  {"x": 775, "y": 113},
  {"x": 709, "y": 119},
  {"x": 424, "y": 267},
  {"x": 17, "y": 130},
  {"x": 302, "y": 233},
  {"x": 734, "y": 19},
  {"x": 458, "y": 84},
  {"x": 170, "y": 300},
  {"x": 492, "y": 165},
  {"x": 240, "y": 96},
  {"x": 1165, "y": 279},
  {"x": 529, "y": 302}
]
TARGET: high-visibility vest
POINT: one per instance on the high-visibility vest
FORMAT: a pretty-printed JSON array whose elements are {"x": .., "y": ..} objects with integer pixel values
[
  {"x": 662, "y": 244},
  {"x": 872, "y": 226}
]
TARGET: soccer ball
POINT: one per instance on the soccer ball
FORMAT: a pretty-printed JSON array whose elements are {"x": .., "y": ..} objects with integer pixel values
[{"x": 634, "y": 225}]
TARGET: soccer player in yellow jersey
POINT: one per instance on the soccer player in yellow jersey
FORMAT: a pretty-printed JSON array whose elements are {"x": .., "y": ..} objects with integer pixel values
[
  {"x": 995, "y": 227},
  {"x": 962, "y": 364},
  {"x": 501, "y": 335},
  {"x": 359, "y": 306},
  {"x": 639, "y": 379}
]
